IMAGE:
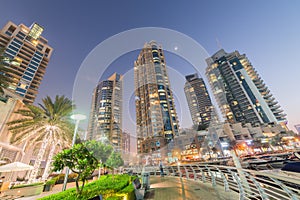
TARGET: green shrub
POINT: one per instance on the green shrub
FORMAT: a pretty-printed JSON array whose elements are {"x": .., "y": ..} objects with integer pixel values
[
  {"x": 51, "y": 181},
  {"x": 114, "y": 198},
  {"x": 127, "y": 191},
  {"x": 109, "y": 187},
  {"x": 61, "y": 177}
]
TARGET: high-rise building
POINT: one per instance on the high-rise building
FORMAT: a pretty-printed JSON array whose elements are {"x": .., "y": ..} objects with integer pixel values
[
  {"x": 105, "y": 122},
  {"x": 28, "y": 54},
  {"x": 155, "y": 110},
  {"x": 298, "y": 128},
  {"x": 240, "y": 92},
  {"x": 198, "y": 99},
  {"x": 126, "y": 142}
]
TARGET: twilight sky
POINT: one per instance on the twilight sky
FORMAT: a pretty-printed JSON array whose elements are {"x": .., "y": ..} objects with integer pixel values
[{"x": 268, "y": 32}]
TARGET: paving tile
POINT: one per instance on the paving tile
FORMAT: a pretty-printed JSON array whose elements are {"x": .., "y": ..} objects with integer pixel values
[{"x": 165, "y": 188}]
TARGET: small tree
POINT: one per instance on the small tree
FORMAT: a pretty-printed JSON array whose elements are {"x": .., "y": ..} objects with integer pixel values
[
  {"x": 101, "y": 151},
  {"x": 79, "y": 160},
  {"x": 115, "y": 160}
]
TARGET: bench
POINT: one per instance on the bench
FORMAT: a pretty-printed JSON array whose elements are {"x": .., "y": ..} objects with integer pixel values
[{"x": 138, "y": 190}]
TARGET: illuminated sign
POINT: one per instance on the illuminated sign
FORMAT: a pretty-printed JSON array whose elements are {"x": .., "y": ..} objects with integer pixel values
[{"x": 35, "y": 31}]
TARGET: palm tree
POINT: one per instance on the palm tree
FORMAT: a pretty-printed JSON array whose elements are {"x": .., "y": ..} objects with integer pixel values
[
  {"x": 48, "y": 123},
  {"x": 4, "y": 70}
]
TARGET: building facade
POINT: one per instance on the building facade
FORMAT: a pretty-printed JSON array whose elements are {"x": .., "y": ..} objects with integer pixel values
[
  {"x": 198, "y": 100},
  {"x": 297, "y": 127},
  {"x": 105, "y": 122},
  {"x": 10, "y": 153},
  {"x": 155, "y": 109},
  {"x": 126, "y": 142},
  {"x": 28, "y": 55},
  {"x": 240, "y": 92}
]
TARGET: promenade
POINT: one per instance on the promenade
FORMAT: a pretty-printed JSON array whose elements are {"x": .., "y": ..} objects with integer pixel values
[
  {"x": 171, "y": 188},
  {"x": 168, "y": 188}
]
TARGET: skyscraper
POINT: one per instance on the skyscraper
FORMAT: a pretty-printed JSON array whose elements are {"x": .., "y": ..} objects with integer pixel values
[
  {"x": 198, "y": 99},
  {"x": 105, "y": 122},
  {"x": 28, "y": 54},
  {"x": 155, "y": 109},
  {"x": 240, "y": 92},
  {"x": 298, "y": 128}
]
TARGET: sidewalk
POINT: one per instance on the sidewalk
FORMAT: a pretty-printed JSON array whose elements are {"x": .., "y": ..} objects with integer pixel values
[
  {"x": 55, "y": 189},
  {"x": 171, "y": 188}
]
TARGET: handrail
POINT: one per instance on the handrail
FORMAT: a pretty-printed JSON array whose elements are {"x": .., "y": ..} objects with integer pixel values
[{"x": 249, "y": 184}]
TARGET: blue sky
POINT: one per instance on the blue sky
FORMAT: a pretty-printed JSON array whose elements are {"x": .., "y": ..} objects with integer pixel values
[{"x": 267, "y": 31}]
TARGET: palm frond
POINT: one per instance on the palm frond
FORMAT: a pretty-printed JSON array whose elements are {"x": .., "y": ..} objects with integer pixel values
[{"x": 37, "y": 121}]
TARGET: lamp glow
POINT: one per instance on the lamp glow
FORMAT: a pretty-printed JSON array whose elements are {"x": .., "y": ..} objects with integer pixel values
[{"x": 77, "y": 118}]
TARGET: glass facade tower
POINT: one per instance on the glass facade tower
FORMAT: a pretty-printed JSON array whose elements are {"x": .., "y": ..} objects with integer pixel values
[
  {"x": 105, "y": 122},
  {"x": 198, "y": 100},
  {"x": 239, "y": 90},
  {"x": 155, "y": 110},
  {"x": 28, "y": 54}
]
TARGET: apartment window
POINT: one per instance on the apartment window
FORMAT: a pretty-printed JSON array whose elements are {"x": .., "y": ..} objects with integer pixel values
[
  {"x": 38, "y": 53},
  {"x": 8, "y": 33},
  {"x": 34, "y": 63},
  {"x": 11, "y": 52},
  {"x": 13, "y": 48},
  {"x": 18, "y": 41},
  {"x": 36, "y": 60},
  {"x": 32, "y": 66},
  {"x": 20, "y": 90},
  {"x": 27, "y": 78},
  {"x": 37, "y": 56}
]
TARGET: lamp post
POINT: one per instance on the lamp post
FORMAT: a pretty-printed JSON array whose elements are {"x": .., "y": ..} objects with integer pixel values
[{"x": 77, "y": 118}]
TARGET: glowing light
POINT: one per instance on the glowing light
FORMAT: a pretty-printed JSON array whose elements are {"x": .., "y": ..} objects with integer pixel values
[
  {"x": 78, "y": 117},
  {"x": 176, "y": 48},
  {"x": 35, "y": 31}
]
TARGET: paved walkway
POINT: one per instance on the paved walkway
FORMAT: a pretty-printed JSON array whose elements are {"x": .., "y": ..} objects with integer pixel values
[
  {"x": 165, "y": 188},
  {"x": 55, "y": 189}
]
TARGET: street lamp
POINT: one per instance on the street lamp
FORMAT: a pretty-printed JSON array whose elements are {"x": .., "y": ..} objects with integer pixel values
[{"x": 77, "y": 118}]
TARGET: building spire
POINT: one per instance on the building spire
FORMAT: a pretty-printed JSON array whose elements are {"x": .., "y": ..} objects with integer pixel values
[{"x": 218, "y": 43}]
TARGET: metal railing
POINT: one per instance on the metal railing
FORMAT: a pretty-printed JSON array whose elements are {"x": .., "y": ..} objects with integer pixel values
[{"x": 248, "y": 183}]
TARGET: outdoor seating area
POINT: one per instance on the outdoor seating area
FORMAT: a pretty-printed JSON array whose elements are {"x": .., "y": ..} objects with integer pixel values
[{"x": 10, "y": 188}]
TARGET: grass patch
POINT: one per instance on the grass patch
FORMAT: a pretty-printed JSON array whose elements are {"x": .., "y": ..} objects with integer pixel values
[{"x": 109, "y": 187}]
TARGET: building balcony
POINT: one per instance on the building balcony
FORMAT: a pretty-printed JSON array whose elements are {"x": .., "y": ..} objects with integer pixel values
[
  {"x": 274, "y": 107},
  {"x": 272, "y": 103},
  {"x": 277, "y": 111}
]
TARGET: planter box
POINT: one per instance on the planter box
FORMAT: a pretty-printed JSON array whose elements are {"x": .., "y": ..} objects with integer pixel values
[
  {"x": 48, "y": 188},
  {"x": 25, "y": 191}
]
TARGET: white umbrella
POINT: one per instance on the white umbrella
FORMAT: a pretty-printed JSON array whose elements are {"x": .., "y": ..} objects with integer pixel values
[
  {"x": 15, "y": 166},
  {"x": 2, "y": 161}
]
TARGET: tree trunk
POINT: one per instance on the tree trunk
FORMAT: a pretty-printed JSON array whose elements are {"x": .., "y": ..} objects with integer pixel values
[
  {"x": 38, "y": 160},
  {"x": 49, "y": 160},
  {"x": 77, "y": 184},
  {"x": 82, "y": 186}
]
